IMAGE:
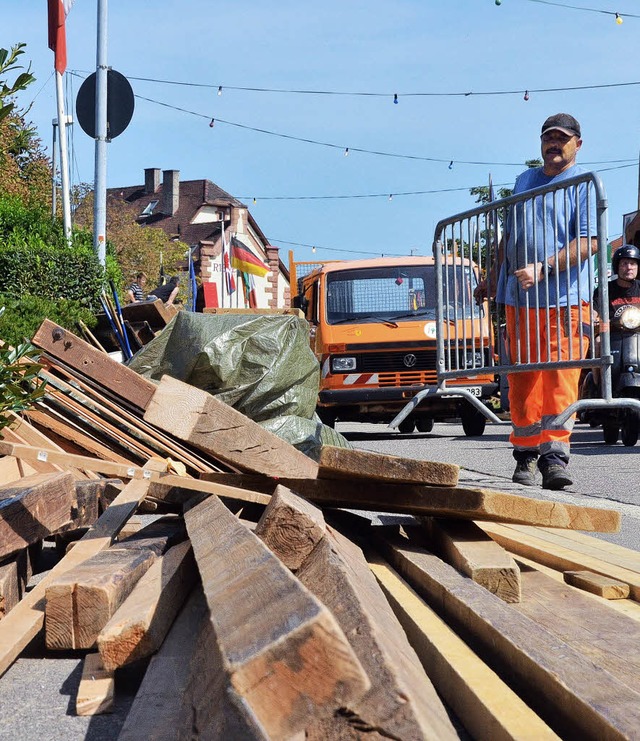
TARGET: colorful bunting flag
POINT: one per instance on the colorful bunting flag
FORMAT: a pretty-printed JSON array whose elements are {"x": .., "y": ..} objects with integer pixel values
[{"x": 58, "y": 12}]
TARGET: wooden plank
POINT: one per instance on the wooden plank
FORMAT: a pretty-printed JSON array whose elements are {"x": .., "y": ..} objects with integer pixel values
[
  {"x": 453, "y": 501},
  {"x": 487, "y": 707},
  {"x": 164, "y": 484},
  {"x": 603, "y": 586},
  {"x": 608, "y": 639},
  {"x": 285, "y": 658},
  {"x": 291, "y": 527},
  {"x": 27, "y": 618},
  {"x": 223, "y": 432},
  {"x": 33, "y": 508},
  {"x": 559, "y": 557},
  {"x": 574, "y": 696},
  {"x": 340, "y": 463},
  {"x": 402, "y": 702},
  {"x": 153, "y": 312},
  {"x": 87, "y": 360},
  {"x": 81, "y": 602},
  {"x": 159, "y": 709},
  {"x": 141, "y": 623},
  {"x": 9, "y": 587},
  {"x": 470, "y": 550},
  {"x": 9, "y": 470},
  {"x": 96, "y": 689}
]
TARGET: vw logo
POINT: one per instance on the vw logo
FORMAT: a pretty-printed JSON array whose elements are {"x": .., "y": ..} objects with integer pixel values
[{"x": 409, "y": 360}]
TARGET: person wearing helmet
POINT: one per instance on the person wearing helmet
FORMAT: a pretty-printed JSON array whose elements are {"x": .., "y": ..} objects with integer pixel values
[{"x": 624, "y": 289}]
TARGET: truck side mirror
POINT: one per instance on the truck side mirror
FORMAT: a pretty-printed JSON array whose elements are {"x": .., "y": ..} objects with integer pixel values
[{"x": 300, "y": 302}]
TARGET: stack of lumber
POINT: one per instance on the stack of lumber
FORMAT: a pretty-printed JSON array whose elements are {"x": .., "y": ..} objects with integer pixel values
[
  {"x": 141, "y": 321},
  {"x": 273, "y": 596}
]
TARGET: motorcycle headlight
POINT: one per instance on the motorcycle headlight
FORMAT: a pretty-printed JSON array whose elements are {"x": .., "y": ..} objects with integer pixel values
[
  {"x": 343, "y": 364},
  {"x": 630, "y": 317}
]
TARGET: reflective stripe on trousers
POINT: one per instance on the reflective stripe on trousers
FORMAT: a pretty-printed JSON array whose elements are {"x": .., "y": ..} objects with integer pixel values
[{"x": 537, "y": 397}]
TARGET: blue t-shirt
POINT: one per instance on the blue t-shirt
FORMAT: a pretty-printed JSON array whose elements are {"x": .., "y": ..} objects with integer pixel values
[{"x": 523, "y": 248}]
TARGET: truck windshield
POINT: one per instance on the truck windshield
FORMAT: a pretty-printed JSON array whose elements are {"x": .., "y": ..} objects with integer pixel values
[{"x": 400, "y": 293}]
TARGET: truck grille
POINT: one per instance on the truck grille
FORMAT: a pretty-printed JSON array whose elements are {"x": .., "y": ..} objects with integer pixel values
[
  {"x": 408, "y": 379},
  {"x": 394, "y": 362}
]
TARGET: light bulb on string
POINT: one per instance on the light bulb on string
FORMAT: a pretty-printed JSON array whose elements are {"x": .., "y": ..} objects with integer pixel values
[
  {"x": 313, "y": 249},
  {"x": 619, "y": 19},
  {"x": 212, "y": 122},
  {"x": 255, "y": 200},
  {"x": 391, "y": 196},
  {"x": 346, "y": 152},
  {"x": 451, "y": 165},
  {"x": 526, "y": 95},
  {"x": 395, "y": 98},
  {"x": 498, "y": 2},
  {"x": 220, "y": 90}
]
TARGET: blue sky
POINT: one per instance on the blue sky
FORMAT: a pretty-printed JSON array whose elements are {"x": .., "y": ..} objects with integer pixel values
[{"x": 398, "y": 46}]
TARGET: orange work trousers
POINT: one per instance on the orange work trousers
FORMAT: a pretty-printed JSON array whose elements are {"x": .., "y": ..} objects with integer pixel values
[{"x": 537, "y": 397}]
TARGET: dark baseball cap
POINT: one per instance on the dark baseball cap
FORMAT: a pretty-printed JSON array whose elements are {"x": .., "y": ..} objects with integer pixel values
[{"x": 563, "y": 122}]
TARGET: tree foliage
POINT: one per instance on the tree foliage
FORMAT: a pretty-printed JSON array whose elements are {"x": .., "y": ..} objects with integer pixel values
[{"x": 20, "y": 386}]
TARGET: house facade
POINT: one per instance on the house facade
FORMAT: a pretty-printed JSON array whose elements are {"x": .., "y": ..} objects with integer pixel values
[{"x": 215, "y": 225}]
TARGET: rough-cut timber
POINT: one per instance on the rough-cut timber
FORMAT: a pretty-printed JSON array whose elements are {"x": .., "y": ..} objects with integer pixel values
[
  {"x": 140, "y": 624},
  {"x": 487, "y": 707},
  {"x": 88, "y": 361},
  {"x": 218, "y": 429},
  {"x": 33, "y": 508},
  {"x": 27, "y": 618},
  {"x": 402, "y": 702},
  {"x": 291, "y": 527},
  {"x": 9, "y": 587},
  {"x": 81, "y": 602},
  {"x": 470, "y": 550},
  {"x": 438, "y": 501},
  {"x": 575, "y": 696},
  {"x": 603, "y": 586},
  {"x": 340, "y": 463},
  {"x": 284, "y": 656},
  {"x": 96, "y": 689}
]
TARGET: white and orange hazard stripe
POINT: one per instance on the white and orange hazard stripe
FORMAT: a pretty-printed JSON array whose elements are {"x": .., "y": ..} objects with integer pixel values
[{"x": 351, "y": 379}]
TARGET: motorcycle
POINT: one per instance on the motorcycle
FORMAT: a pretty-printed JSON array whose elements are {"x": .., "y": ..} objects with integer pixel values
[{"x": 625, "y": 383}]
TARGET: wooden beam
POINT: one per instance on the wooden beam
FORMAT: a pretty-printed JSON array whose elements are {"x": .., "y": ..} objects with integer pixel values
[
  {"x": 79, "y": 603},
  {"x": 285, "y": 658},
  {"x": 96, "y": 689},
  {"x": 340, "y": 463},
  {"x": 291, "y": 527},
  {"x": 224, "y": 433},
  {"x": 33, "y": 508},
  {"x": 603, "y": 586},
  {"x": 470, "y": 550},
  {"x": 437, "y": 501},
  {"x": 27, "y": 618},
  {"x": 569, "y": 691},
  {"x": 559, "y": 557},
  {"x": 485, "y": 705},
  {"x": 141, "y": 623},
  {"x": 88, "y": 361},
  {"x": 402, "y": 702}
]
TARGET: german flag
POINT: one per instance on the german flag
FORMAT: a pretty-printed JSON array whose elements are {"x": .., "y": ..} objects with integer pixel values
[{"x": 244, "y": 260}]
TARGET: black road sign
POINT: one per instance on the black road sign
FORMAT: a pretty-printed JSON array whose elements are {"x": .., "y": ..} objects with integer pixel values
[{"x": 120, "y": 104}]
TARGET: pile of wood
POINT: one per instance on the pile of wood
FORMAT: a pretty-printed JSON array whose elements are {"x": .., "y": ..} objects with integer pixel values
[{"x": 265, "y": 600}]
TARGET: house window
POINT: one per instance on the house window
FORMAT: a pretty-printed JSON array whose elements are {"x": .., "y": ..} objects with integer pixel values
[{"x": 149, "y": 208}]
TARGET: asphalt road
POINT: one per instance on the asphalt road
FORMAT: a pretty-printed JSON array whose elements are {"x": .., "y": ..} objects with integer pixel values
[{"x": 604, "y": 476}]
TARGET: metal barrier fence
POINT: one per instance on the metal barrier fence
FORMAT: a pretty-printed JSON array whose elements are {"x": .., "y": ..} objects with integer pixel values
[{"x": 540, "y": 223}]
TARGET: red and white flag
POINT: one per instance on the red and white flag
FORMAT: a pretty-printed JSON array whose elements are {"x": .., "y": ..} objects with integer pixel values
[{"x": 58, "y": 12}]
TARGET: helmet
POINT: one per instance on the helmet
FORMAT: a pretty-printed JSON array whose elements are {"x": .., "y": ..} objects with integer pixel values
[{"x": 630, "y": 251}]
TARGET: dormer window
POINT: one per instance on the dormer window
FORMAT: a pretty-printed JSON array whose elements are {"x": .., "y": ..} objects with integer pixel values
[{"x": 148, "y": 210}]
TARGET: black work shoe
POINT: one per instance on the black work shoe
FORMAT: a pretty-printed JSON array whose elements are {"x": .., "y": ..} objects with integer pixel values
[
  {"x": 525, "y": 472},
  {"x": 555, "y": 476}
]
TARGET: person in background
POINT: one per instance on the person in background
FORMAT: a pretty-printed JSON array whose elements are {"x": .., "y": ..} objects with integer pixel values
[
  {"x": 167, "y": 292},
  {"x": 537, "y": 397},
  {"x": 135, "y": 291}
]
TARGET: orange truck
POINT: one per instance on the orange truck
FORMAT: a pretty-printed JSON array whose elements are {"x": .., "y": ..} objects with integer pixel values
[{"x": 373, "y": 330}]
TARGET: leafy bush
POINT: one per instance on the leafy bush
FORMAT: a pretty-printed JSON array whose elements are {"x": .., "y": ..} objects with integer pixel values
[{"x": 19, "y": 383}]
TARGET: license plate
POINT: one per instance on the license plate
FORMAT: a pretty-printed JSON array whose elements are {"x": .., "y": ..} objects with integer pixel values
[{"x": 473, "y": 390}]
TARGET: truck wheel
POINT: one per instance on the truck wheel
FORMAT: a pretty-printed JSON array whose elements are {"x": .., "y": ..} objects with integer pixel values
[
  {"x": 629, "y": 432},
  {"x": 424, "y": 424},
  {"x": 473, "y": 421},
  {"x": 610, "y": 432},
  {"x": 407, "y": 426}
]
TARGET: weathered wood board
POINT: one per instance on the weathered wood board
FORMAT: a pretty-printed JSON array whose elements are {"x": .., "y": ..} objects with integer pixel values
[
  {"x": 224, "y": 433},
  {"x": 285, "y": 658},
  {"x": 604, "y": 586}
]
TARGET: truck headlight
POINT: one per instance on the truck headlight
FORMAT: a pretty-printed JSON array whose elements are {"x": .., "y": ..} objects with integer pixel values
[
  {"x": 630, "y": 317},
  {"x": 343, "y": 364}
]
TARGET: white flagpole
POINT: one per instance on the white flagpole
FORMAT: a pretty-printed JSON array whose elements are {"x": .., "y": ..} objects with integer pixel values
[
  {"x": 100, "y": 177},
  {"x": 64, "y": 160},
  {"x": 223, "y": 282}
]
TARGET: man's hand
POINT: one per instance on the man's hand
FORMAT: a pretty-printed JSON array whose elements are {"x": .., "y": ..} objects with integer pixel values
[
  {"x": 486, "y": 288},
  {"x": 529, "y": 275}
]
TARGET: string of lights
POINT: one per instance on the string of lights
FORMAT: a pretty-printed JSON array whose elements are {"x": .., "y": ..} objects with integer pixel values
[
  {"x": 618, "y": 16},
  {"x": 346, "y": 150}
]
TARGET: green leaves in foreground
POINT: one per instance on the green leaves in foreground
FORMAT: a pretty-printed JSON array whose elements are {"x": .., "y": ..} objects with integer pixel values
[{"x": 20, "y": 386}]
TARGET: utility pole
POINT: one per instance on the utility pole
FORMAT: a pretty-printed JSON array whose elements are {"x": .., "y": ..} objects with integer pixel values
[
  {"x": 64, "y": 160},
  {"x": 100, "y": 178}
]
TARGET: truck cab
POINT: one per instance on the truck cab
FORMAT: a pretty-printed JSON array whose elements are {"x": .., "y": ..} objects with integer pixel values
[{"x": 373, "y": 331}]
